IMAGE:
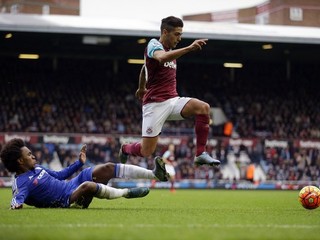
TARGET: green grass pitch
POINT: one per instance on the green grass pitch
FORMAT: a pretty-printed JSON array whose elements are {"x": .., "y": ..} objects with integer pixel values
[{"x": 185, "y": 214}]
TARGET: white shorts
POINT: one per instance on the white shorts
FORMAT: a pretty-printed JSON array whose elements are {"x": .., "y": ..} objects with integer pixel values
[
  {"x": 170, "y": 169},
  {"x": 156, "y": 113}
]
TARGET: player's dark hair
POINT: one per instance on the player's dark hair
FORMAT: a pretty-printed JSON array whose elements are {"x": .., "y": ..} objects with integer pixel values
[
  {"x": 10, "y": 154},
  {"x": 171, "y": 22}
]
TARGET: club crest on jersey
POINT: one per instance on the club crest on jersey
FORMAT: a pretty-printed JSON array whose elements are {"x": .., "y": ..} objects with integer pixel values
[
  {"x": 149, "y": 130},
  {"x": 35, "y": 182}
]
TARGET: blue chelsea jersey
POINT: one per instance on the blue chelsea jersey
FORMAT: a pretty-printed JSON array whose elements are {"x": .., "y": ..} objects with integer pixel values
[{"x": 42, "y": 187}]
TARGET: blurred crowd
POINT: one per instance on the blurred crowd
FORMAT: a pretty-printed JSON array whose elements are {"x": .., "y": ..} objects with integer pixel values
[
  {"x": 277, "y": 163},
  {"x": 83, "y": 98},
  {"x": 97, "y": 97}
]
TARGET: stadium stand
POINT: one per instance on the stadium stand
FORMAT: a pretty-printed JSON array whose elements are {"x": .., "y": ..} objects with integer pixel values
[
  {"x": 86, "y": 97},
  {"x": 76, "y": 89}
]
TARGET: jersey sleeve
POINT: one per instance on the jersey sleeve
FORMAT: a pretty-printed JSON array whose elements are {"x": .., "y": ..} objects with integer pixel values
[
  {"x": 153, "y": 45},
  {"x": 67, "y": 172},
  {"x": 19, "y": 195}
]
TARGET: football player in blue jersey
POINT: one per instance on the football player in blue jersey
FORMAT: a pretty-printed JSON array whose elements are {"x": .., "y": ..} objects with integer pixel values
[{"x": 37, "y": 186}]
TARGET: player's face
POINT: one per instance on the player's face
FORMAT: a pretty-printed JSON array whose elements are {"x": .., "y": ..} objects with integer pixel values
[
  {"x": 174, "y": 37},
  {"x": 27, "y": 160}
]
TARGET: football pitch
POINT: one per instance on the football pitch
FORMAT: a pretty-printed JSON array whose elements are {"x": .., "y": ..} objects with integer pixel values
[{"x": 185, "y": 214}]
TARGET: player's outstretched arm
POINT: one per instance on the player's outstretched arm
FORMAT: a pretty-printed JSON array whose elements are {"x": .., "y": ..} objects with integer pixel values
[
  {"x": 17, "y": 206},
  {"x": 71, "y": 169},
  {"x": 82, "y": 154},
  {"x": 167, "y": 56},
  {"x": 198, "y": 44}
]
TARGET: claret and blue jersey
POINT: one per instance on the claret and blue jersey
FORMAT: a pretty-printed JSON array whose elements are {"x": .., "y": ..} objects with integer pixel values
[{"x": 161, "y": 79}]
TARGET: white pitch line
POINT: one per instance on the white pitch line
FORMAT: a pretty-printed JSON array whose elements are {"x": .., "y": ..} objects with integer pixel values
[{"x": 101, "y": 225}]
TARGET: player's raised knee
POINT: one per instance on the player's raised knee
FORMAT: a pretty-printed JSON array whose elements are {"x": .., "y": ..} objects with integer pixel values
[
  {"x": 205, "y": 108},
  {"x": 88, "y": 186}
]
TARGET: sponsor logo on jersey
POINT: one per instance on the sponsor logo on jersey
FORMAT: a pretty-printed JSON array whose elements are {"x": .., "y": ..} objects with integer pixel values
[
  {"x": 41, "y": 174},
  {"x": 170, "y": 65}
]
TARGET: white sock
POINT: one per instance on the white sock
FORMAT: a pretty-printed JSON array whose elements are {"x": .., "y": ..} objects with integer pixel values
[
  {"x": 132, "y": 171},
  {"x": 107, "y": 192}
]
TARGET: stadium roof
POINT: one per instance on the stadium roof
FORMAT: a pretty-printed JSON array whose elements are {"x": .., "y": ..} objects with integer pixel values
[
  {"x": 129, "y": 27},
  {"x": 36, "y": 32}
]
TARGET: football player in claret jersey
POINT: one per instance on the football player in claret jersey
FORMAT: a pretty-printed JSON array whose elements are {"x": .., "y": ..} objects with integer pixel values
[
  {"x": 160, "y": 99},
  {"x": 40, "y": 187}
]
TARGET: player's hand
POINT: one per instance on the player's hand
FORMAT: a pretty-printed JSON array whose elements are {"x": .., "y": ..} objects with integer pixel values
[
  {"x": 198, "y": 44},
  {"x": 18, "y": 206},
  {"x": 82, "y": 154},
  {"x": 140, "y": 93}
]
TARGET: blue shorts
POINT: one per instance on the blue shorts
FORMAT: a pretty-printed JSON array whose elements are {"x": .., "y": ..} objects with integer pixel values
[{"x": 74, "y": 183}]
